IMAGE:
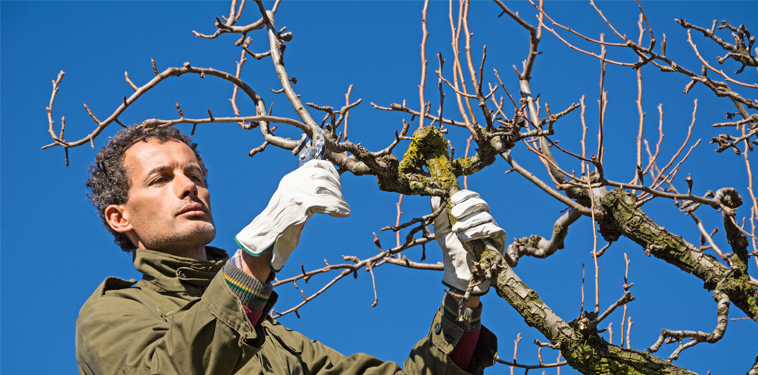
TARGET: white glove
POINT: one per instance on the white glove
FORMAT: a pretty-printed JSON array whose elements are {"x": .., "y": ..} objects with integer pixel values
[
  {"x": 474, "y": 222},
  {"x": 314, "y": 188}
]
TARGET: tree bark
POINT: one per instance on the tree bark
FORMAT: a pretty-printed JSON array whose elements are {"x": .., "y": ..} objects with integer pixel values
[{"x": 624, "y": 219}]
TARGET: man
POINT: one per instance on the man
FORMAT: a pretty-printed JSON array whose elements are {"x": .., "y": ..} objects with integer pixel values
[{"x": 197, "y": 312}]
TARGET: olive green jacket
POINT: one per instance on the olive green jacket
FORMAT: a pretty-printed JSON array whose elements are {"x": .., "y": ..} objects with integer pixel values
[{"x": 182, "y": 318}]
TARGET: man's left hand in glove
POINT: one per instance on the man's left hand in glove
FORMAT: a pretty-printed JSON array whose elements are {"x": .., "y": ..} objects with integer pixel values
[{"x": 474, "y": 223}]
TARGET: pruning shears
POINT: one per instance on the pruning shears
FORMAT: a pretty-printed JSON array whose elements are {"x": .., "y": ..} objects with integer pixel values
[{"x": 310, "y": 149}]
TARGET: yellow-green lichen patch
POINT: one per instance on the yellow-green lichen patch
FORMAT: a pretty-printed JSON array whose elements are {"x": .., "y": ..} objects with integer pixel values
[
  {"x": 593, "y": 355},
  {"x": 428, "y": 149}
]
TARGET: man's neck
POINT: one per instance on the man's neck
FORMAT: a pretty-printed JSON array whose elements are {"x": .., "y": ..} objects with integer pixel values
[
  {"x": 193, "y": 253},
  {"x": 199, "y": 254}
]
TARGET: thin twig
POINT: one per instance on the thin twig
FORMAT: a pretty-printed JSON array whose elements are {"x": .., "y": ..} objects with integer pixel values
[
  {"x": 594, "y": 246},
  {"x": 397, "y": 221},
  {"x": 626, "y": 288},
  {"x": 515, "y": 350},
  {"x": 347, "y": 112},
  {"x": 465, "y": 155},
  {"x": 422, "y": 85},
  {"x": 351, "y": 268}
]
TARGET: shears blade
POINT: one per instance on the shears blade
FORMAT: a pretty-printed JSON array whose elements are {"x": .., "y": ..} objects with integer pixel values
[{"x": 310, "y": 149}]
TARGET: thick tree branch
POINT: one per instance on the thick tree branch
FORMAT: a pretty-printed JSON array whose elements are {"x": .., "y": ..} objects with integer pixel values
[
  {"x": 624, "y": 219},
  {"x": 585, "y": 351}
]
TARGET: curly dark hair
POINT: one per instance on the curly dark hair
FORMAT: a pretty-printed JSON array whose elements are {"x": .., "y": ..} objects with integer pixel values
[{"x": 108, "y": 183}]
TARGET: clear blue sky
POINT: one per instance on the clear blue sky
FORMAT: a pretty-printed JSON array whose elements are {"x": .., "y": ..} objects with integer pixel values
[{"x": 55, "y": 251}]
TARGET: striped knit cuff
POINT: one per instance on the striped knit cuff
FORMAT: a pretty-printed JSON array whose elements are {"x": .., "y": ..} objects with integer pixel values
[
  {"x": 251, "y": 292},
  {"x": 471, "y": 317},
  {"x": 236, "y": 259}
]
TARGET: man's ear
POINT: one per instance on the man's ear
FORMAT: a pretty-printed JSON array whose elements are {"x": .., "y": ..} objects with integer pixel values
[{"x": 114, "y": 215}]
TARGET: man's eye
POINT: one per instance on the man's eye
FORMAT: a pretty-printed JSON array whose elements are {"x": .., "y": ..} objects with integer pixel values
[
  {"x": 158, "y": 180},
  {"x": 197, "y": 179}
]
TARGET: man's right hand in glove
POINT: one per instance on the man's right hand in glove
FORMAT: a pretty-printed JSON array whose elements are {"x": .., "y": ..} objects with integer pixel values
[
  {"x": 474, "y": 223},
  {"x": 314, "y": 188}
]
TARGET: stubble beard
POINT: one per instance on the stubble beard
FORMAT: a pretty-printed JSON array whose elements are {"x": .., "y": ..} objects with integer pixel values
[
  {"x": 185, "y": 242},
  {"x": 190, "y": 243}
]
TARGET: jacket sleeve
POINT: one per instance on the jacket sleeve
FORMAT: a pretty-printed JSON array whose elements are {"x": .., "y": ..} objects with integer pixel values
[
  {"x": 121, "y": 332},
  {"x": 430, "y": 356}
]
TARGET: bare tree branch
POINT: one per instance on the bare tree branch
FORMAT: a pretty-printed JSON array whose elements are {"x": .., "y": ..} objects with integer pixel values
[{"x": 696, "y": 336}]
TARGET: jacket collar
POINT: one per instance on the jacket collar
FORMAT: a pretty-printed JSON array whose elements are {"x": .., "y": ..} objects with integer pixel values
[{"x": 172, "y": 273}]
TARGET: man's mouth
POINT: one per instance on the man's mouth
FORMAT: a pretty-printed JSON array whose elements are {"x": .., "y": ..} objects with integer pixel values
[{"x": 193, "y": 209}]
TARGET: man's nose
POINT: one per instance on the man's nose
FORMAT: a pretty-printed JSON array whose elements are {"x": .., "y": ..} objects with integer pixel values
[{"x": 187, "y": 187}]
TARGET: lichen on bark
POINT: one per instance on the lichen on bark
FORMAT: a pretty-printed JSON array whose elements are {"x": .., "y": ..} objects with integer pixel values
[
  {"x": 485, "y": 156},
  {"x": 584, "y": 350},
  {"x": 426, "y": 168},
  {"x": 737, "y": 284},
  {"x": 593, "y": 355},
  {"x": 624, "y": 219},
  {"x": 427, "y": 150}
]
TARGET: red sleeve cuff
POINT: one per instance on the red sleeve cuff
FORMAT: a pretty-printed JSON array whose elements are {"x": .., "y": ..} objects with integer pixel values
[
  {"x": 464, "y": 350},
  {"x": 255, "y": 316}
]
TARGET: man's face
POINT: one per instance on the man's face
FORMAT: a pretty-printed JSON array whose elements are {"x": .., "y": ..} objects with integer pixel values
[{"x": 169, "y": 206}]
